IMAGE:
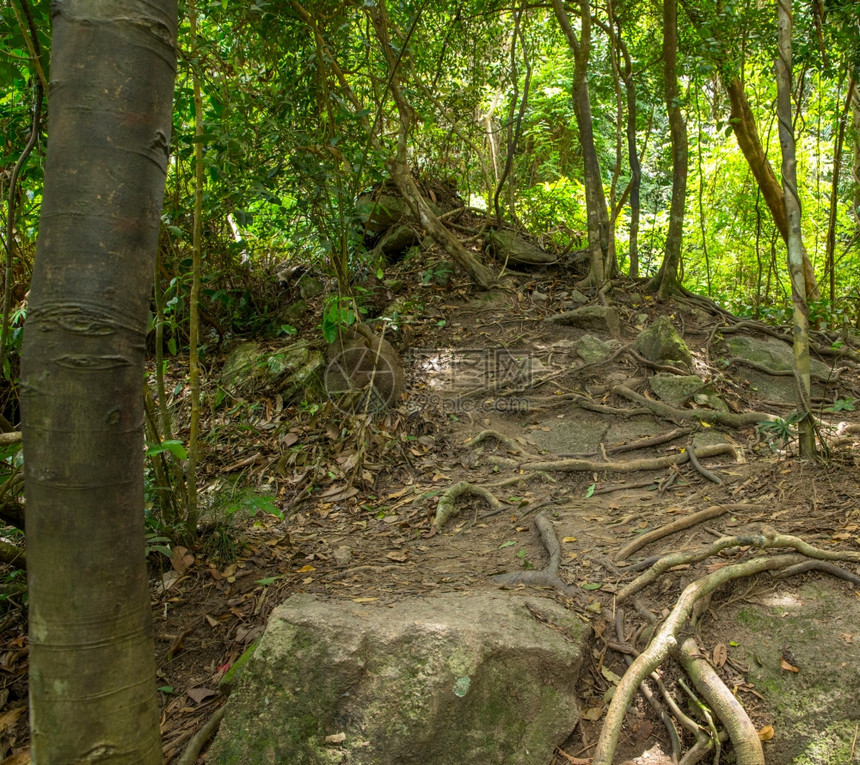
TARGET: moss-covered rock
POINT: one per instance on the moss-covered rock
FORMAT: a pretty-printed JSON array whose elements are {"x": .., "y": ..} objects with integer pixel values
[
  {"x": 591, "y": 317},
  {"x": 293, "y": 370},
  {"x": 663, "y": 344},
  {"x": 592, "y": 349},
  {"x": 455, "y": 679},
  {"x": 816, "y": 623}
]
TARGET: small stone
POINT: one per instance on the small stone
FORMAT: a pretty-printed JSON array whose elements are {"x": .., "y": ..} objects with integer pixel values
[{"x": 342, "y": 556}]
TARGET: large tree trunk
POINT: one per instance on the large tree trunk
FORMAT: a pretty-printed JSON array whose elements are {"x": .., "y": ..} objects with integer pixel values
[
  {"x": 92, "y": 666},
  {"x": 792, "y": 209},
  {"x": 746, "y": 133},
  {"x": 666, "y": 281},
  {"x": 600, "y": 239}
]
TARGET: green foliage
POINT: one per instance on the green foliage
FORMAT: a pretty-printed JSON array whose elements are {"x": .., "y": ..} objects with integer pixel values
[
  {"x": 780, "y": 430},
  {"x": 338, "y": 314}
]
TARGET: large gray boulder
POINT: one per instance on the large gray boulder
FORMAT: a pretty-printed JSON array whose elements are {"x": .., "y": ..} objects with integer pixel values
[{"x": 460, "y": 678}]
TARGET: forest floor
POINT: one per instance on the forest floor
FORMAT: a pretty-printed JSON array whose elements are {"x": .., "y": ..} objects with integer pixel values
[{"x": 492, "y": 387}]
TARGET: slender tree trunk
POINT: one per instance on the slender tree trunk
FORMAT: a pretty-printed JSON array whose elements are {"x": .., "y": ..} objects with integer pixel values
[
  {"x": 855, "y": 166},
  {"x": 599, "y": 232},
  {"x": 834, "y": 193},
  {"x": 746, "y": 133},
  {"x": 633, "y": 158},
  {"x": 792, "y": 209},
  {"x": 92, "y": 666},
  {"x": 192, "y": 513},
  {"x": 666, "y": 281}
]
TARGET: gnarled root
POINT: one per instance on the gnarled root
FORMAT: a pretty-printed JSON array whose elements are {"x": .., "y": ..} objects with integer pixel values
[
  {"x": 666, "y": 639},
  {"x": 629, "y": 466},
  {"x": 546, "y": 577},
  {"x": 446, "y": 507},
  {"x": 742, "y": 732}
]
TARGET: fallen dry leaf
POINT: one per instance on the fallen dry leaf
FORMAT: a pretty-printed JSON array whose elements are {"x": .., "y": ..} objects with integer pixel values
[
  {"x": 787, "y": 666},
  {"x": 766, "y": 733},
  {"x": 721, "y": 653},
  {"x": 592, "y": 713},
  {"x": 199, "y": 694}
]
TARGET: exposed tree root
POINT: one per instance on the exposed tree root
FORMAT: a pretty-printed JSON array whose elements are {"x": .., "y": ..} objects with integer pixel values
[
  {"x": 766, "y": 539},
  {"x": 701, "y": 469},
  {"x": 688, "y": 521},
  {"x": 654, "y": 365},
  {"x": 747, "y": 745},
  {"x": 782, "y": 372},
  {"x": 546, "y": 577},
  {"x": 10, "y": 438},
  {"x": 665, "y": 641},
  {"x": 625, "y": 486},
  {"x": 198, "y": 741},
  {"x": 630, "y": 466},
  {"x": 446, "y": 507},
  {"x": 506, "y": 441},
  {"x": 819, "y": 565},
  {"x": 710, "y": 416},
  {"x": 642, "y": 443}
]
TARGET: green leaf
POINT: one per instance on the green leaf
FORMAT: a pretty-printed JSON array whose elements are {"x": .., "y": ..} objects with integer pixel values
[
  {"x": 592, "y": 586},
  {"x": 269, "y": 580},
  {"x": 590, "y": 490},
  {"x": 509, "y": 543},
  {"x": 176, "y": 448}
]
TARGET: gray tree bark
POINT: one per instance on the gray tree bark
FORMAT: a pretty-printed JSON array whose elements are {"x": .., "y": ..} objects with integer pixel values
[
  {"x": 795, "y": 243},
  {"x": 666, "y": 281},
  {"x": 600, "y": 239},
  {"x": 92, "y": 665}
]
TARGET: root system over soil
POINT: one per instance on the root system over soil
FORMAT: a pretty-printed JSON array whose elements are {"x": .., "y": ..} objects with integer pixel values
[{"x": 652, "y": 513}]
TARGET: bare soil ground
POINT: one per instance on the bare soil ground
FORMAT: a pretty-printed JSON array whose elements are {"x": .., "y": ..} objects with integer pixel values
[{"x": 359, "y": 496}]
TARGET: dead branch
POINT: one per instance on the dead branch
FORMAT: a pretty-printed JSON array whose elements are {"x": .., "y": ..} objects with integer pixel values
[
  {"x": 548, "y": 576},
  {"x": 631, "y": 466},
  {"x": 666, "y": 639},
  {"x": 714, "y": 511},
  {"x": 10, "y": 438},
  {"x": 747, "y": 745},
  {"x": 446, "y": 507}
]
